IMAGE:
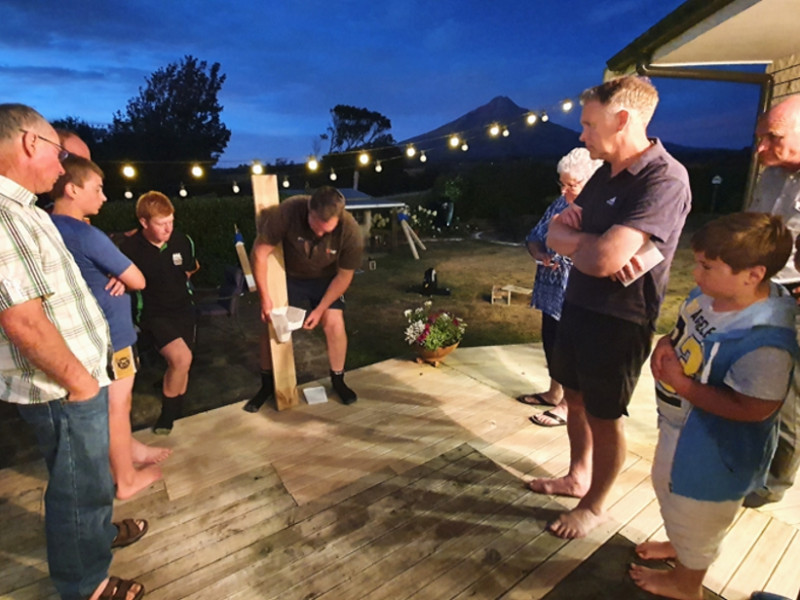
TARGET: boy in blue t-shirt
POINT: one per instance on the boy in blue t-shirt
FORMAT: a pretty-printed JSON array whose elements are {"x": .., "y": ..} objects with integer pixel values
[
  {"x": 721, "y": 376},
  {"x": 78, "y": 194}
]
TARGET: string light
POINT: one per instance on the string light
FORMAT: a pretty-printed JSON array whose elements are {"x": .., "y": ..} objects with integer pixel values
[
  {"x": 128, "y": 193},
  {"x": 364, "y": 158}
]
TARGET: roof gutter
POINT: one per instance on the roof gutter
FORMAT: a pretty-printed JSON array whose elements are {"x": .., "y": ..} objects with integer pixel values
[{"x": 764, "y": 80}]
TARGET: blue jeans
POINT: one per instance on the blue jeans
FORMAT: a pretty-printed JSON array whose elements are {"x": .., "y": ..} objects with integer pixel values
[{"x": 73, "y": 438}]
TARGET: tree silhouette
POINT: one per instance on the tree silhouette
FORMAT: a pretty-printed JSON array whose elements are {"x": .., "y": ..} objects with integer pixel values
[
  {"x": 354, "y": 128},
  {"x": 174, "y": 121}
]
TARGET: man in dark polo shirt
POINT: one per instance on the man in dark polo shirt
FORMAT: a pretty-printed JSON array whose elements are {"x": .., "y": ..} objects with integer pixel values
[
  {"x": 164, "y": 309},
  {"x": 637, "y": 200},
  {"x": 321, "y": 249}
]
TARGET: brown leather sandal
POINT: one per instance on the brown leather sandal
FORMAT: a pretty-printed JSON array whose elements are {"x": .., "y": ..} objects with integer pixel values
[
  {"x": 117, "y": 589},
  {"x": 129, "y": 531}
]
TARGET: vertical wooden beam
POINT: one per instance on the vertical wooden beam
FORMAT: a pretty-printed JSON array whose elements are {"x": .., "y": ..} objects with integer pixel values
[{"x": 265, "y": 193}]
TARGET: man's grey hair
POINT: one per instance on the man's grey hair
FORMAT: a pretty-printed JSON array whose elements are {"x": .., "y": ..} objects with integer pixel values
[
  {"x": 14, "y": 117},
  {"x": 578, "y": 164},
  {"x": 631, "y": 93}
]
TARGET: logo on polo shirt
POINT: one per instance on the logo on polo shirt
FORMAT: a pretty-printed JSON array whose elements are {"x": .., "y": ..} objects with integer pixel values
[
  {"x": 177, "y": 259},
  {"x": 611, "y": 201}
]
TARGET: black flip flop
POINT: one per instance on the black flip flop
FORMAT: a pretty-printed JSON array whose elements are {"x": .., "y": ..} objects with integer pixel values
[
  {"x": 538, "y": 400},
  {"x": 559, "y": 421}
]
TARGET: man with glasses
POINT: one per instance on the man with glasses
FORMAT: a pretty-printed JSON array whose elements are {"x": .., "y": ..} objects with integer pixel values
[
  {"x": 53, "y": 362},
  {"x": 778, "y": 193},
  {"x": 639, "y": 197}
]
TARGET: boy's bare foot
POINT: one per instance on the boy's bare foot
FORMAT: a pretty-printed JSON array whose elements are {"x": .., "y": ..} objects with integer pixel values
[
  {"x": 142, "y": 478},
  {"x": 114, "y": 587},
  {"x": 656, "y": 550},
  {"x": 664, "y": 583},
  {"x": 576, "y": 523},
  {"x": 559, "y": 486},
  {"x": 148, "y": 455}
]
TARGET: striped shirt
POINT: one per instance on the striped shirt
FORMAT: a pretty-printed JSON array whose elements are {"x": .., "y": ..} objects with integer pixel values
[{"x": 35, "y": 263}]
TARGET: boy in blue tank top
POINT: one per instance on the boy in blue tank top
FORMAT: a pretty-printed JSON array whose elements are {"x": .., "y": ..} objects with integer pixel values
[{"x": 721, "y": 377}]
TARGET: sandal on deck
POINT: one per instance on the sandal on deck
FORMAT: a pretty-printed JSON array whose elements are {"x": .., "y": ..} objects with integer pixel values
[
  {"x": 117, "y": 589},
  {"x": 129, "y": 531},
  {"x": 547, "y": 419},
  {"x": 534, "y": 400}
]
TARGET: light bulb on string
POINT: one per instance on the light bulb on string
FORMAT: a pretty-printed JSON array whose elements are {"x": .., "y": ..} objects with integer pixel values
[
  {"x": 285, "y": 182},
  {"x": 422, "y": 157},
  {"x": 128, "y": 171},
  {"x": 378, "y": 167},
  {"x": 531, "y": 119},
  {"x": 545, "y": 117},
  {"x": 567, "y": 105},
  {"x": 454, "y": 141},
  {"x": 128, "y": 194},
  {"x": 494, "y": 130},
  {"x": 333, "y": 175},
  {"x": 197, "y": 171},
  {"x": 363, "y": 158},
  {"x": 182, "y": 192},
  {"x": 257, "y": 168},
  {"x": 312, "y": 163},
  {"x": 506, "y": 132},
  {"x": 464, "y": 147},
  {"x": 411, "y": 151},
  {"x": 235, "y": 188}
]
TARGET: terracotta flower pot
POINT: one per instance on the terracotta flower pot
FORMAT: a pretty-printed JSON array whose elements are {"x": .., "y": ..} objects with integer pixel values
[{"x": 434, "y": 357}]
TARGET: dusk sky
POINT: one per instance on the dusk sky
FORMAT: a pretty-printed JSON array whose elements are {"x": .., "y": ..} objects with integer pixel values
[{"x": 420, "y": 63}]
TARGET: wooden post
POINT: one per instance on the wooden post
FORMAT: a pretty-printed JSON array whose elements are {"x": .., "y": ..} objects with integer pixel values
[{"x": 265, "y": 193}]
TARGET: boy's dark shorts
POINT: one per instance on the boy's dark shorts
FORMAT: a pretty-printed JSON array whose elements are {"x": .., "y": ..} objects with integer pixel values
[
  {"x": 601, "y": 357},
  {"x": 163, "y": 330},
  {"x": 309, "y": 292}
]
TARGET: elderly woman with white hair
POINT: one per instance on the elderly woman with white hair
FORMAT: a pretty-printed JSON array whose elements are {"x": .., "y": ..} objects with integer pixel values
[{"x": 552, "y": 271}]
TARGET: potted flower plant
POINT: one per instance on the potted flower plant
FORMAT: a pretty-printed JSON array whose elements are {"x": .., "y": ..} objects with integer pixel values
[{"x": 434, "y": 334}]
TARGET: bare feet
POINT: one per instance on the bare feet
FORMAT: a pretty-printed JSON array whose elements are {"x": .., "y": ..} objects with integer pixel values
[
  {"x": 656, "y": 550},
  {"x": 576, "y": 523},
  {"x": 559, "y": 486},
  {"x": 664, "y": 583},
  {"x": 148, "y": 455},
  {"x": 141, "y": 479}
]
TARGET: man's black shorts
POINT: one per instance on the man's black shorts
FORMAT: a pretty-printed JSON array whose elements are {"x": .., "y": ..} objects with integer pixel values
[
  {"x": 601, "y": 357},
  {"x": 163, "y": 330},
  {"x": 309, "y": 292}
]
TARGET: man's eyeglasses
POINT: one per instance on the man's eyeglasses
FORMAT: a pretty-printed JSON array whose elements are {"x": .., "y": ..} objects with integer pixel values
[
  {"x": 572, "y": 187},
  {"x": 62, "y": 152}
]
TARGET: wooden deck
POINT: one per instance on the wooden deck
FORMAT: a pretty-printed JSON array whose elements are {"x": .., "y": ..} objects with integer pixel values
[{"x": 416, "y": 491}]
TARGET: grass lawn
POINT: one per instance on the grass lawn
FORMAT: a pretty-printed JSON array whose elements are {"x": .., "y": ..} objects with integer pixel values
[{"x": 469, "y": 268}]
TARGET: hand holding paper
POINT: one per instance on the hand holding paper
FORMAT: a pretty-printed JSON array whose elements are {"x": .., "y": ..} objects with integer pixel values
[{"x": 646, "y": 257}]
